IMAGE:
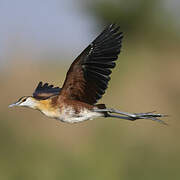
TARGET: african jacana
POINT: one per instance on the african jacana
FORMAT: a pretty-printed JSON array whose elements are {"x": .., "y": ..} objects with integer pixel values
[{"x": 85, "y": 83}]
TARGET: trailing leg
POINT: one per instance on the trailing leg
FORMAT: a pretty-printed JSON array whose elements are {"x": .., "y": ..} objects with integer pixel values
[{"x": 132, "y": 116}]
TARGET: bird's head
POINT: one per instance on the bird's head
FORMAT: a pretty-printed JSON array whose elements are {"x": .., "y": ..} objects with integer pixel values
[{"x": 26, "y": 101}]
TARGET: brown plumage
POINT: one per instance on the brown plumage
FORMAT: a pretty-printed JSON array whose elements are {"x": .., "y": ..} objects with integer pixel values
[
  {"x": 88, "y": 76},
  {"x": 86, "y": 82}
]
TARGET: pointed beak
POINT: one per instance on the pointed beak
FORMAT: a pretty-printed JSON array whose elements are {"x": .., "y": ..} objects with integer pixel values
[{"x": 14, "y": 104}]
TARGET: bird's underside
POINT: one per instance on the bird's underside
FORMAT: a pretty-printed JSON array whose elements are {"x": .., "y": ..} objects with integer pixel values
[{"x": 86, "y": 82}]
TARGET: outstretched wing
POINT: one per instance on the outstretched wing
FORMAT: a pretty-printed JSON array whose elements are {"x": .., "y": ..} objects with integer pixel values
[
  {"x": 88, "y": 76},
  {"x": 44, "y": 91}
]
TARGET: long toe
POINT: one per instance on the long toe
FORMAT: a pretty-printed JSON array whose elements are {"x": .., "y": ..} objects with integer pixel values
[{"x": 150, "y": 115}]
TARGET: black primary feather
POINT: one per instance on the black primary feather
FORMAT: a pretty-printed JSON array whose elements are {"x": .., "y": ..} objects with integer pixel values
[
  {"x": 99, "y": 58},
  {"x": 44, "y": 91}
]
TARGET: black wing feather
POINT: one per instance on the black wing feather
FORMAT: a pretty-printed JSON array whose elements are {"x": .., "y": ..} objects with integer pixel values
[
  {"x": 45, "y": 91},
  {"x": 103, "y": 51}
]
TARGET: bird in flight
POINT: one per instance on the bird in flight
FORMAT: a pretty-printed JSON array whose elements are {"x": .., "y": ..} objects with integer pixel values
[{"x": 86, "y": 82}]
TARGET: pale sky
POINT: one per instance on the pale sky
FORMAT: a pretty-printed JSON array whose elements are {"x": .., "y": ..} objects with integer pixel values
[
  {"x": 50, "y": 25},
  {"x": 43, "y": 25}
]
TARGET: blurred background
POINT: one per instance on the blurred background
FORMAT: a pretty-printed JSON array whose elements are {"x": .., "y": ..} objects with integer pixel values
[{"x": 39, "y": 40}]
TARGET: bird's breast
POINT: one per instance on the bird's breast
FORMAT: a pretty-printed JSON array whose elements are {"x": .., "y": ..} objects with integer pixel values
[{"x": 71, "y": 115}]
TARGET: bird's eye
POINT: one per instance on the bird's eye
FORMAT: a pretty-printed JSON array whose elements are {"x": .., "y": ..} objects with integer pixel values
[{"x": 23, "y": 100}]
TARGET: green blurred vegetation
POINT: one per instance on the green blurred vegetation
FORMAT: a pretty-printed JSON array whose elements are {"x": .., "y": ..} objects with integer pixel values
[
  {"x": 146, "y": 78},
  {"x": 139, "y": 19}
]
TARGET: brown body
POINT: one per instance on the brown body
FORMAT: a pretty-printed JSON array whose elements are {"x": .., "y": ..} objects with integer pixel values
[{"x": 69, "y": 110}]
